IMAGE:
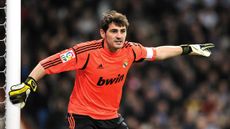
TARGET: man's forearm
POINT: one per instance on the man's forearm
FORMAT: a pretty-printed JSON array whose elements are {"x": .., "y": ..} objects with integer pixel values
[
  {"x": 164, "y": 52},
  {"x": 38, "y": 72}
]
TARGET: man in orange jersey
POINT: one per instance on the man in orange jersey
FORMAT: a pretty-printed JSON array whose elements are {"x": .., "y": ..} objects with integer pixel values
[{"x": 102, "y": 67}]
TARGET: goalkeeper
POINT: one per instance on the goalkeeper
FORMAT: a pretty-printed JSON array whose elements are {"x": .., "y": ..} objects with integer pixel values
[{"x": 101, "y": 68}]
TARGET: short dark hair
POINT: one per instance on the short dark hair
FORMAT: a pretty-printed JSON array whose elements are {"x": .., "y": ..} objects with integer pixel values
[{"x": 113, "y": 17}]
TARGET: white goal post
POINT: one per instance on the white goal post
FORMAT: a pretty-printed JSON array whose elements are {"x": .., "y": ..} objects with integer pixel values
[{"x": 13, "y": 59}]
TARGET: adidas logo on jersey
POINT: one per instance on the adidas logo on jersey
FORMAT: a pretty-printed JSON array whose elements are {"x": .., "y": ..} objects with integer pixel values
[
  {"x": 100, "y": 66},
  {"x": 110, "y": 81}
]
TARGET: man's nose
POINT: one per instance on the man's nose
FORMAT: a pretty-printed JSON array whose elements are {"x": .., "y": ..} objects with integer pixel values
[{"x": 119, "y": 35}]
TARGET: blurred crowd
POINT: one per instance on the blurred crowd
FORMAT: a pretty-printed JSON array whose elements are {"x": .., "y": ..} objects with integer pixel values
[
  {"x": 2, "y": 64},
  {"x": 184, "y": 92}
]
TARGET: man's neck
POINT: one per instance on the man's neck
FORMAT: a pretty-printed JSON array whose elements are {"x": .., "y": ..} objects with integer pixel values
[{"x": 112, "y": 50}]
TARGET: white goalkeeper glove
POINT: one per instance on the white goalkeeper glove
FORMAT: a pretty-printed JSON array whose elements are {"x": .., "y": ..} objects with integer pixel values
[
  {"x": 20, "y": 92},
  {"x": 197, "y": 49}
]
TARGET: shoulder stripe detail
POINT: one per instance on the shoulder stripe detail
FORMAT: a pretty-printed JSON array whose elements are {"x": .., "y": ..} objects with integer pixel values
[
  {"x": 56, "y": 59},
  {"x": 75, "y": 53},
  {"x": 54, "y": 64},
  {"x": 88, "y": 47},
  {"x": 126, "y": 44},
  {"x": 51, "y": 63}
]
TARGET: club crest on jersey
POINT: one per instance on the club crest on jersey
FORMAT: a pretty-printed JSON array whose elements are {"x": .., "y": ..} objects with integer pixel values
[
  {"x": 125, "y": 64},
  {"x": 67, "y": 56}
]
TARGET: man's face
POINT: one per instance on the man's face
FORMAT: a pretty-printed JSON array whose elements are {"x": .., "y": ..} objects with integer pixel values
[{"x": 114, "y": 36}]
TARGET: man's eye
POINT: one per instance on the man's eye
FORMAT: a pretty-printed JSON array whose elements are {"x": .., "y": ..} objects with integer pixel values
[
  {"x": 113, "y": 31},
  {"x": 123, "y": 31}
]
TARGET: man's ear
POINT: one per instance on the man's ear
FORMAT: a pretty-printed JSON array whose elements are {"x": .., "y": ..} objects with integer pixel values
[{"x": 102, "y": 33}]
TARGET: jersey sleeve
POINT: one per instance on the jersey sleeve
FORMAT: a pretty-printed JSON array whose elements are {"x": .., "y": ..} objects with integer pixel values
[
  {"x": 65, "y": 60},
  {"x": 143, "y": 53},
  {"x": 60, "y": 62}
]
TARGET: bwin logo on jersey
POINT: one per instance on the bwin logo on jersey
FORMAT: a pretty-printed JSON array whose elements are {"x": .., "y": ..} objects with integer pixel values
[
  {"x": 110, "y": 81},
  {"x": 67, "y": 56}
]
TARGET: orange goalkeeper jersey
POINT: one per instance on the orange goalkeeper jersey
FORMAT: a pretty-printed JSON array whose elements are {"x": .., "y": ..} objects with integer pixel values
[{"x": 100, "y": 75}]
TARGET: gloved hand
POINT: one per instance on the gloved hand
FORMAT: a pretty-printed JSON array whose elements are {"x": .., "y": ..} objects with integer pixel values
[
  {"x": 197, "y": 49},
  {"x": 20, "y": 92}
]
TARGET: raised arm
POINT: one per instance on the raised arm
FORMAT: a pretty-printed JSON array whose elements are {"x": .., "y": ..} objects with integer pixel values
[{"x": 164, "y": 52}]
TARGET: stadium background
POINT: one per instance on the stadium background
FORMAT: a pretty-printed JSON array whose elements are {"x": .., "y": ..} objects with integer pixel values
[
  {"x": 179, "y": 93},
  {"x": 2, "y": 63}
]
